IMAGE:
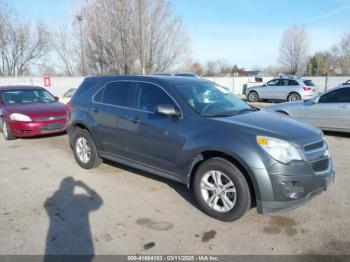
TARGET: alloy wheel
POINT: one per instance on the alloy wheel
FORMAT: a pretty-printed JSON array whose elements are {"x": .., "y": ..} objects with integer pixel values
[
  {"x": 218, "y": 191},
  {"x": 83, "y": 150},
  {"x": 252, "y": 97}
]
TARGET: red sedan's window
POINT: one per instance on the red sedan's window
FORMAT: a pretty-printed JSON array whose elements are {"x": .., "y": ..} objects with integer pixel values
[{"x": 32, "y": 96}]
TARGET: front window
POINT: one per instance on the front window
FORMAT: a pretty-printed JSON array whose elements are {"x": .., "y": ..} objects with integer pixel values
[
  {"x": 209, "y": 99},
  {"x": 150, "y": 96},
  {"x": 23, "y": 97},
  {"x": 274, "y": 82}
]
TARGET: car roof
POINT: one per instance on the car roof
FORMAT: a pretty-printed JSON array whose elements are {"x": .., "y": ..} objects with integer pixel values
[
  {"x": 159, "y": 79},
  {"x": 19, "y": 87}
]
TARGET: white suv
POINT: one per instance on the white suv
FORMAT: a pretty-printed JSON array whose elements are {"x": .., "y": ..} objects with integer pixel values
[{"x": 284, "y": 88}]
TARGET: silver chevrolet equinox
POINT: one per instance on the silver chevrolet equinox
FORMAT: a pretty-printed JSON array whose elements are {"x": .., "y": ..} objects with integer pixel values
[{"x": 231, "y": 155}]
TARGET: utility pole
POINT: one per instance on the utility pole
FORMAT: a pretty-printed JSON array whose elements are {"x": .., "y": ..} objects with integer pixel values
[
  {"x": 141, "y": 39},
  {"x": 80, "y": 19}
]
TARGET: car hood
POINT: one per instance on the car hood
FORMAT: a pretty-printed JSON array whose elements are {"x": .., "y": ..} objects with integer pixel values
[
  {"x": 274, "y": 124},
  {"x": 39, "y": 109}
]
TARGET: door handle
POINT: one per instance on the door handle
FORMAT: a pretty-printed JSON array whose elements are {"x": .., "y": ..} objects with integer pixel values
[
  {"x": 95, "y": 110},
  {"x": 344, "y": 106},
  {"x": 135, "y": 120}
]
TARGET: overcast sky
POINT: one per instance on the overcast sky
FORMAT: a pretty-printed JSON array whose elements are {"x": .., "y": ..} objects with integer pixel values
[{"x": 244, "y": 32}]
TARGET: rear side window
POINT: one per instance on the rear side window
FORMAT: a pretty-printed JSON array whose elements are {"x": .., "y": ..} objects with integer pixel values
[
  {"x": 149, "y": 96},
  {"x": 293, "y": 83},
  {"x": 337, "y": 96},
  {"x": 117, "y": 93},
  {"x": 309, "y": 83}
]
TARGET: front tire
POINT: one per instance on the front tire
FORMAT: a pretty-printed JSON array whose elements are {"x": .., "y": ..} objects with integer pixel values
[
  {"x": 253, "y": 96},
  {"x": 221, "y": 190},
  {"x": 85, "y": 151},
  {"x": 6, "y": 131}
]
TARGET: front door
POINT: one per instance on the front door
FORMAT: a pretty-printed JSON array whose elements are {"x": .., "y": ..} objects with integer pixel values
[
  {"x": 270, "y": 91},
  {"x": 331, "y": 112},
  {"x": 156, "y": 140}
]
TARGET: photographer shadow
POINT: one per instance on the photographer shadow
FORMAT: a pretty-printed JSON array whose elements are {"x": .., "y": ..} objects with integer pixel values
[{"x": 69, "y": 231}]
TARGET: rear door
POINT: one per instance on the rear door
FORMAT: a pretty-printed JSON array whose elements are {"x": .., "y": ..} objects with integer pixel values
[
  {"x": 282, "y": 89},
  {"x": 111, "y": 112},
  {"x": 331, "y": 112},
  {"x": 155, "y": 140}
]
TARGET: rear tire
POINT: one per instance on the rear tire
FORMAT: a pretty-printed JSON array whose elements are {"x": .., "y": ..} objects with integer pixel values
[
  {"x": 253, "y": 96},
  {"x": 85, "y": 151},
  {"x": 294, "y": 97},
  {"x": 214, "y": 195},
  {"x": 6, "y": 131}
]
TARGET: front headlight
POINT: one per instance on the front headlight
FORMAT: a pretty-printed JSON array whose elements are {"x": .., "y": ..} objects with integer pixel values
[
  {"x": 20, "y": 117},
  {"x": 278, "y": 149}
]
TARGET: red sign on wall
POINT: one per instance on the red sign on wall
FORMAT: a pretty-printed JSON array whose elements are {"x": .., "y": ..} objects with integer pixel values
[{"x": 47, "y": 81}]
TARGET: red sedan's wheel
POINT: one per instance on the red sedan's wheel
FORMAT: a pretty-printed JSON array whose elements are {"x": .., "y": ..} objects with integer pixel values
[{"x": 7, "y": 132}]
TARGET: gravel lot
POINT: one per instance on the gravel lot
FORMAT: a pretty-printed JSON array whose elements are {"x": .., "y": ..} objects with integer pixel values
[{"x": 45, "y": 210}]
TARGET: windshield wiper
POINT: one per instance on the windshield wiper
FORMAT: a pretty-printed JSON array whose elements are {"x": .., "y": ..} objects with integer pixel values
[
  {"x": 248, "y": 110},
  {"x": 231, "y": 113}
]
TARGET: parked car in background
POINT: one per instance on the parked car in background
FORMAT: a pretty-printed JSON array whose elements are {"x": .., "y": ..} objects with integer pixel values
[
  {"x": 30, "y": 111},
  {"x": 178, "y": 74},
  {"x": 345, "y": 84},
  {"x": 67, "y": 96},
  {"x": 195, "y": 132},
  {"x": 328, "y": 111},
  {"x": 284, "y": 88}
]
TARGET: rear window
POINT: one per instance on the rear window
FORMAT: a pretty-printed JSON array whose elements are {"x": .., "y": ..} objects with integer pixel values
[{"x": 309, "y": 83}]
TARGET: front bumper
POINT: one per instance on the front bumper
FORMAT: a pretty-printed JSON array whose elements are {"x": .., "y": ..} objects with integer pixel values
[
  {"x": 320, "y": 184},
  {"x": 272, "y": 198},
  {"x": 28, "y": 129}
]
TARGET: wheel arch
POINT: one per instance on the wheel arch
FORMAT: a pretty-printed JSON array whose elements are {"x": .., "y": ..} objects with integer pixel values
[
  {"x": 80, "y": 125},
  {"x": 239, "y": 163}
]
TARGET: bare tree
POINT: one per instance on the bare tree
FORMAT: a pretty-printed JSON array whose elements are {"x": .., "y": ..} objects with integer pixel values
[
  {"x": 65, "y": 49},
  {"x": 112, "y": 36},
  {"x": 341, "y": 54},
  {"x": 294, "y": 49},
  {"x": 21, "y": 45}
]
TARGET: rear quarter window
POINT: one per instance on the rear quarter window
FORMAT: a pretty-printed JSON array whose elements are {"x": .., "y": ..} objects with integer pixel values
[
  {"x": 309, "y": 83},
  {"x": 85, "y": 90}
]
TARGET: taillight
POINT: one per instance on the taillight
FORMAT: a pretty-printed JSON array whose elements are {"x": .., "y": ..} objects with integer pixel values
[
  {"x": 68, "y": 106},
  {"x": 306, "y": 88}
]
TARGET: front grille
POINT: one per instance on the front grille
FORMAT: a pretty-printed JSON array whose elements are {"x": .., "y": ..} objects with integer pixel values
[
  {"x": 52, "y": 127},
  {"x": 320, "y": 165},
  {"x": 51, "y": 118},
  {"x": 314, "y": 146}
]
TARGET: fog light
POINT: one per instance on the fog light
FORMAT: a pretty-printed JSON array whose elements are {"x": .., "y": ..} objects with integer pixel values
[{"x": 292, "y": 189}]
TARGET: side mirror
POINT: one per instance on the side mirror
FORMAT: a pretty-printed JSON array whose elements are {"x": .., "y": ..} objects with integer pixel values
[
  {"x": 265, "y": 84},
  {"x": 56, "y": 98},
  {"x": 168, "y": 110}
]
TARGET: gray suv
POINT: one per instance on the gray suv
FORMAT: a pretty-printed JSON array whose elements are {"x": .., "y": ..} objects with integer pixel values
[
  {"x": 285, "y": 88},
  {"x": 230, "y": 154}
]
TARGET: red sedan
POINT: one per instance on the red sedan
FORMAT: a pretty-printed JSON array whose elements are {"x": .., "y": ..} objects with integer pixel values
[{"x": 30, "y": 111}]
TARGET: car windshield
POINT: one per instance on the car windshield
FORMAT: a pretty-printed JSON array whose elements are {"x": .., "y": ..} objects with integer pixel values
[
  {"x": 211, "y": 100},
  {"x": 30, "y": 96},
  {"x": 70, "y": 93}
]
